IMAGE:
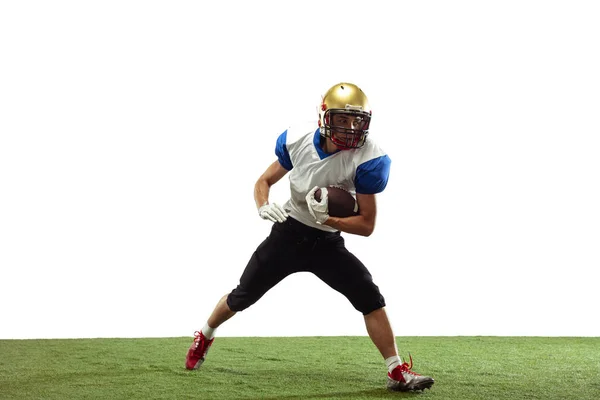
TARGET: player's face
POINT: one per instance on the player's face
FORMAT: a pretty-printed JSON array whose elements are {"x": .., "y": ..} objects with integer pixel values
[{"x": 345, "y": 128}]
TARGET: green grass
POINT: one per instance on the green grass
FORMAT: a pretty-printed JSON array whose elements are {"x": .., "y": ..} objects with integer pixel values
[{"x": 298, "y": 368}]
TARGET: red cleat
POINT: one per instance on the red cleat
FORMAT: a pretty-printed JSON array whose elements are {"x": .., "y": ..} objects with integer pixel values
[
  {"x": 197, "y": 352},
  {"x": 403, "y": 379}
]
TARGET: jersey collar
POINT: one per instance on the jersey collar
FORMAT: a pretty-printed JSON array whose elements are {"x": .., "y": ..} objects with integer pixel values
[{"x": 317, "y": 143}]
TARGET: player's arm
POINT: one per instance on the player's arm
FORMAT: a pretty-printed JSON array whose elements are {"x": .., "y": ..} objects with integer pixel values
[
  {"x": 272, "y": 175},
  {"x": 371, "y": 178},
  {"x": 362, "y": 224}
]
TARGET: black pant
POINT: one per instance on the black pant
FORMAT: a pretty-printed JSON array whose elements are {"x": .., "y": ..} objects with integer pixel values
[{"x": 293, "y": 247}]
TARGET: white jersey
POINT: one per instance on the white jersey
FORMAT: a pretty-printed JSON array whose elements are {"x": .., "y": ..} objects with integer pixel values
[{"x": 364, "y": 170}]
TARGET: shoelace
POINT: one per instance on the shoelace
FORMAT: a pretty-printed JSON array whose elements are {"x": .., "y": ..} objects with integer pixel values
[
  {"x": 405, "y": 367},
  {"x": 198, "y": 339}
]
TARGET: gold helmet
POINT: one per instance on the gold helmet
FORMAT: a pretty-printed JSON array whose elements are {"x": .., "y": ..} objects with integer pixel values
[{"x": 345, "y": 115}]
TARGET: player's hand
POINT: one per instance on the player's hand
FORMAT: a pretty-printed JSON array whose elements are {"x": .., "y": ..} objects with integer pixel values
[
  {"x": 318, "y": 209},
  {"x": 272, "y": 212}
]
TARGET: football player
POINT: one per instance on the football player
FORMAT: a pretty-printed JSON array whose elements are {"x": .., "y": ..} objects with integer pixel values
[{"x": 335, "y": 150}]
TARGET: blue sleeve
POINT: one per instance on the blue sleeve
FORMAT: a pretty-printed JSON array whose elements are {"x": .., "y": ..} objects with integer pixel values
[
  {"x": 282, "y": 152},
  {"x": 372, "y": 176}
]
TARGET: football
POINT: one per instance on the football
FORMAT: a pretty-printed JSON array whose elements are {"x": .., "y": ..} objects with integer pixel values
[{"x": 341, "y": 203}]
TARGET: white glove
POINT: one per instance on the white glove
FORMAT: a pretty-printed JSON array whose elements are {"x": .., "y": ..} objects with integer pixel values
[
  {"x": 272, "y": 212},
  {"x": 318, "y": 209}
]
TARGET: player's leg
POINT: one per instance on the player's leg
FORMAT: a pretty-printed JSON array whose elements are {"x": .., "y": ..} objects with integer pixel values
[
  {"x": 265, "y": 269},
  {"x": 380, "y": 332},
  {"x": 345, "y": 273},
  {"x": 220, "y": 314}
]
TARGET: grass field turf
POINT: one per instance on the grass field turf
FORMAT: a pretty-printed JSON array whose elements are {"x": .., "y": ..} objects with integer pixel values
[{"x": 298, "y": 368}]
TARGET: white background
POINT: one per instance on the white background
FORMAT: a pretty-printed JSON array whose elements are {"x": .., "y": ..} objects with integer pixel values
[{"x": 132, "y": 133}]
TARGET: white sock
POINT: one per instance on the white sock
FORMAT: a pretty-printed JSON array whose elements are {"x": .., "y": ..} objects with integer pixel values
[
  {"x": 392, "y": 362},
  {"x": 208, "y": 332}
]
